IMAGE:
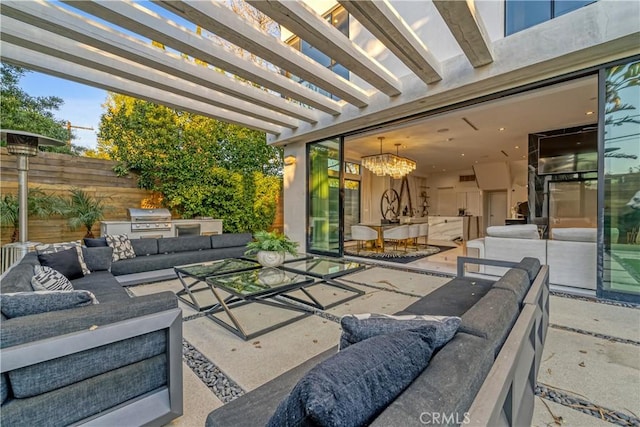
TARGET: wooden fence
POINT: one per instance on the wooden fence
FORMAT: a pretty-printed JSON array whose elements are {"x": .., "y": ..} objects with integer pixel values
[{"x": 57, "y": 173}]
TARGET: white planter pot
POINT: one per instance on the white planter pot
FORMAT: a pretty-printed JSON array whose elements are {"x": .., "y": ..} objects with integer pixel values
[{"x": 270, "y": 258}]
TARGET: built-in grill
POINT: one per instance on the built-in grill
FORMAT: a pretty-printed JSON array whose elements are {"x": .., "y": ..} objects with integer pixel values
[{"x": 149, "y": 219}]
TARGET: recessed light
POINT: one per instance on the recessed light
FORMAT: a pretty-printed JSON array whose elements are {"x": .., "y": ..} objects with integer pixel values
[
  {"x": 462, "y": 154},
  {"x": 449, "y": 139},
  {"x": 501, "y": 129},
  {"x": 516, "y": 147},
  {"x": 444, "y": 170},
  {"x": 443, "y": 130},
  {"x": 476, "y": 161},
  {"x": 588, "y": 113},
  {"x": 524, "y": 157}
]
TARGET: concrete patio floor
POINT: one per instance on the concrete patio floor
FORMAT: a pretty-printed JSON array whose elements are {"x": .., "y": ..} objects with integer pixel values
[{"x": 591, "y": 358}]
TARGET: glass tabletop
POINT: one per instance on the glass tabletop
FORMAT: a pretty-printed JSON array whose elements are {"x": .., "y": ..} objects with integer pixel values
[
  {"x": 203, "y": 270},
  {"x": 287, "y": 257},
  {"x": 260, "y": 281},
  {"x": 324, "y": 267}
]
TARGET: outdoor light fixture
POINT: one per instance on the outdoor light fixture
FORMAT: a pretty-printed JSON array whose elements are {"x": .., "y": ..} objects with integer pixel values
[
  {"x": 289, "y": 160},
  {"x": 24, "y": 145},
  {"x": 389, "y": 164}
]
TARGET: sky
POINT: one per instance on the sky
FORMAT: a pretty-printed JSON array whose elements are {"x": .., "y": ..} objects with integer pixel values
[{"x": 82, "y": 104}]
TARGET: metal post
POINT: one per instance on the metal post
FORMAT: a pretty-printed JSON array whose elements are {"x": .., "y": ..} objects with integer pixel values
[{"x": 23, "y": 190}]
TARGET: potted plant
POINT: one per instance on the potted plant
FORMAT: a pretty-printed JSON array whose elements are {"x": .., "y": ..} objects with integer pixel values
[
  {"x": 83, "y": 210},
  {"x": 39, "y": 204},
  {"x": 271, "y": 247}
]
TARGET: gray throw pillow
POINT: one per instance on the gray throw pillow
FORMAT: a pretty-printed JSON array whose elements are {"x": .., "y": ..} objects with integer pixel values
[
  {"x": 353, "y": 386},
  {"x": 98, "y": 258},
  {"x": 359, "y": 327},
  {"x": 121, "y": 246},
  {"x": 47, "y": 279},
  {"x": 57, "y": 247},
  {"x": 66, "y": 262},
  {"x": 27, "y": 303}
]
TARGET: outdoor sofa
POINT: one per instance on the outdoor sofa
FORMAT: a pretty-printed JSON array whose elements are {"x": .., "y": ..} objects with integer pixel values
[
  {"x": 117, "y": 362},
  {"x": 486, "y": 374},
  {"x": 155, "y": 257}
]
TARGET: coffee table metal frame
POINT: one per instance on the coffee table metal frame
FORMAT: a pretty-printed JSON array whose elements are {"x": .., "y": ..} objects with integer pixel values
[
  {"x": 190, "y": 288},
  {"x": 328, "y": 278},
  {"x": 266, "y": 297}
]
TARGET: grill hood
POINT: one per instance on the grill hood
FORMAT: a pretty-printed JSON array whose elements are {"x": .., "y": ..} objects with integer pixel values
[{"x": 148, "y": 215}]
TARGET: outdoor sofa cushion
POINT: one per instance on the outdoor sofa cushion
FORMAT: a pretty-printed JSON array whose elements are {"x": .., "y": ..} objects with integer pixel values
[
  {"x": 229, "y": 240},
  {"x": 359, "y": 327},
  {"x": 492, "y": 317},
  {"x": 531, "y": 266},
  {"x": 50, "y": 248},
  {"x": 61, "y": 407},
  {"x": 183, "y": 244},
  {"x": 97, "y": 242},
  {"x": 104, "y": 286},
  {"x": 516, "y": 281},
  {"x": 145, "y": 247},
  {"x": 98, "y": 258},
  {"x": 447, "y": 386},
  {"x": 29, "y": 303},
  {"x": 353, "y": 386}
]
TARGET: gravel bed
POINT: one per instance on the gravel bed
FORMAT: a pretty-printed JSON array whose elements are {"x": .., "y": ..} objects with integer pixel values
[
  {"x": 596, "y": 300},
  {"x": 221, "y": 385},
  {"x": 594, "y": 334},
  {"x": 609, "y": 415},
  {"x": 193, "y": 316}
]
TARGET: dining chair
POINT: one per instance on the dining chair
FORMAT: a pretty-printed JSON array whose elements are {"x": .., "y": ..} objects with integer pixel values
[
  {"x": 362, "y": 233},
  {"x": 397, "y": 234}
]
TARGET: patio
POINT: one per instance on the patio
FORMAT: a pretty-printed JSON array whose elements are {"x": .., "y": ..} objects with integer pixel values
[{"x": 589, "y": 374}]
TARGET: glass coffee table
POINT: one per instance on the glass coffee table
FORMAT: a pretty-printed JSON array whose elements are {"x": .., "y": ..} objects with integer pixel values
[
  {"x": 192, "y": 277},
  {"x": 268, "y": 286},
  {"x": 327, "y": 270}
]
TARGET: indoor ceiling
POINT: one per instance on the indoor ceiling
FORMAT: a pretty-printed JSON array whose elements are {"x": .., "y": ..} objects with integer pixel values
[{"x": 448, "y": 142}]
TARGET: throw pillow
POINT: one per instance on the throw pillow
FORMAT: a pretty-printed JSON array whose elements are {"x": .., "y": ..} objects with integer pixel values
[
  {"x": 95, "y": 243},
  {"x": 359, "y": 327},
  {"x": 57, "y": 247},
  {"x": 98, "y": 258},
  {"x": 353, "y": 386},
  {"x": 66, "y": 262},
  {"x": 47, "y": 279},
  {"x": 27, "y": 303},
  {"x": 121, "y": 246}
]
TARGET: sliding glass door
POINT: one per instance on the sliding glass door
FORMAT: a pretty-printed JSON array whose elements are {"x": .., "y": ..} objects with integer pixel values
[
  {"x": 324, "y": 225},
  {"x": 620, "y": 182}
]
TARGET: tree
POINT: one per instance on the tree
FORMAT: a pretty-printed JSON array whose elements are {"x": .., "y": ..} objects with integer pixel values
[
  {"x": 21, "y": 111},
  {"x": 83, "y": 210},
  {"x": 203, "y": 167}
]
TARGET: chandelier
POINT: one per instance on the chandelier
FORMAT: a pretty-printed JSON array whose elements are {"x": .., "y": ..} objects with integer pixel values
[{"x": 388, "y": 164}]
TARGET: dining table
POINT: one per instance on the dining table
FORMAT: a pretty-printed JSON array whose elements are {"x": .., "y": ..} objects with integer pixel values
[{"x": 379, "y": 227}]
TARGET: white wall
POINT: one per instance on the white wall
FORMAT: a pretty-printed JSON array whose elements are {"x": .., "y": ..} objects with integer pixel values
[{"x": 295, "y": 194}]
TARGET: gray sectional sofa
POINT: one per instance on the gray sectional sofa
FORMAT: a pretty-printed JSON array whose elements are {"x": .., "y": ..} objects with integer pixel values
[
  {"x": 118, "y": 362},
  {"x": 484, "y": 376},
  {"x": 155, "y": 258}
]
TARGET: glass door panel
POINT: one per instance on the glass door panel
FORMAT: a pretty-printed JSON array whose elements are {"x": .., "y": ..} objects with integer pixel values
[
  {"x": 621, "y": 178},
  {"x": 323, "y": 223},
  {"x": 351, "y": 206}
]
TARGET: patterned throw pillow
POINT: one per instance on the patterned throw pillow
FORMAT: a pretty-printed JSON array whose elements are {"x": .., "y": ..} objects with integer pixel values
[
  {"x": 57, "y": 247},
  {"x": 359, "y": 327},
  {"x": 121, "y": 245},
  {"x": 48, "y": 279}
]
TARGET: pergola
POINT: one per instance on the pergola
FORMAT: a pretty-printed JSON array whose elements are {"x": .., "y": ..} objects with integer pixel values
[{"x": 79, "y": 46}]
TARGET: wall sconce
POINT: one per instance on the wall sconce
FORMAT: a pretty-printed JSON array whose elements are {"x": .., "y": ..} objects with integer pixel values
[{"x": 289, "y": 160}]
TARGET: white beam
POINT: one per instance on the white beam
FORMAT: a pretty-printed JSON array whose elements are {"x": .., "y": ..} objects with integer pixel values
[
  {"x": 312, "y": 28},
  {"x": 139, "y": 20},
  {"x": 386, "y": 24},
  {"x": 218, "y": 19},
  {"x": 57, "y": 67},
  {"x": 71, "y": 25},
  {"x": 467, "y": 28},
  {"x": 36, "y": 39}
]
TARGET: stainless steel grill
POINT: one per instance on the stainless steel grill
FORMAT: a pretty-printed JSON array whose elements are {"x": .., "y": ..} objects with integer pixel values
[{"x": 149, "y": 219}]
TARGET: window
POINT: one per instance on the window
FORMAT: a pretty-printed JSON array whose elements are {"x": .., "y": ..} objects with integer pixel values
[
  {"x": 339, "y": 18},
  {"x": 522, "y": 14}
]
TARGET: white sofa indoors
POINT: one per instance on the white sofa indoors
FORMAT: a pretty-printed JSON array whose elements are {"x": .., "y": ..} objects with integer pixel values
[{"x": 570, "y": 253}]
